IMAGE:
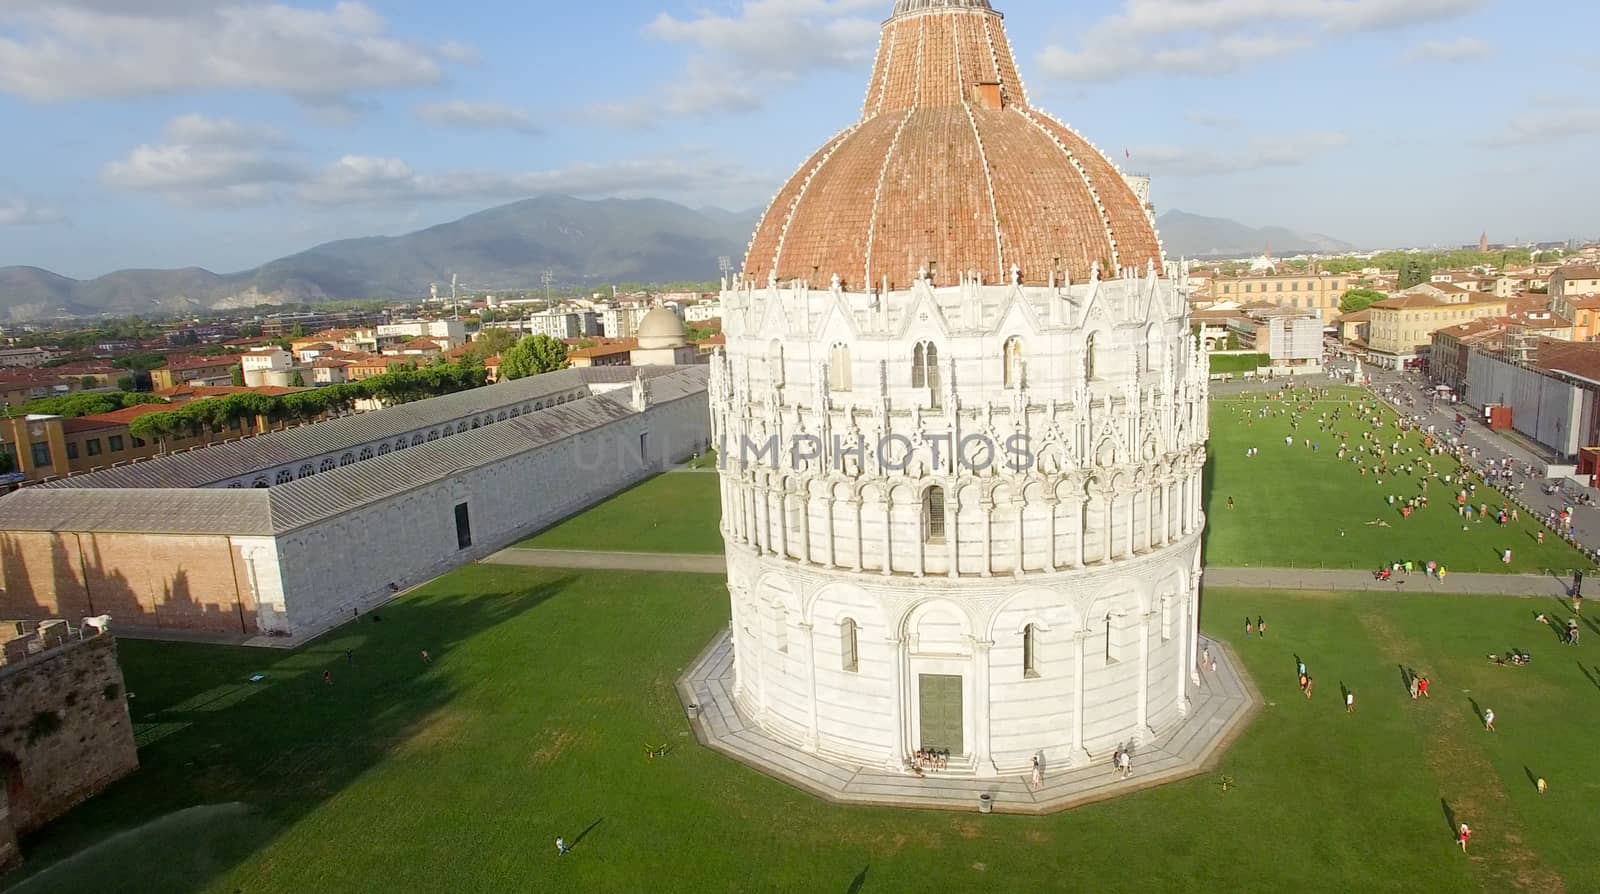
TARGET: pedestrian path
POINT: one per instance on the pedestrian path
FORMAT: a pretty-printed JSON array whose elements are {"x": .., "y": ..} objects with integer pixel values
[
  {"x": 1533, "y": 585},
  {"x": 1241, "y": 578}
]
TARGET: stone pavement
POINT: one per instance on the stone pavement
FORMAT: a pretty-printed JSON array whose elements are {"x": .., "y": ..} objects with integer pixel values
[
  {"x": 1241, "y": 578},
  {"x": 1328, "y": 579},
  {"x": 605, "y": 561},
  {"x": 1219, "y": 712}
]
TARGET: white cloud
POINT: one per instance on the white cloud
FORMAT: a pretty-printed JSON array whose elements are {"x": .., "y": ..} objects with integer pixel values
[
  {"x": 1462, "y": 49},
  {"x": 1547, "y": 126},
  {"x": 357, "y": 179},
  {"x": 1223, "y": 36},
  {"x": 24, "y": 213},
  {"x": 54, "y": 50},
  {"x": 478, "y": 116},
  {"x": 207, "y": 161},
  {"x": 737, "y": 60},
  {"x": 1254, "y": 154}
]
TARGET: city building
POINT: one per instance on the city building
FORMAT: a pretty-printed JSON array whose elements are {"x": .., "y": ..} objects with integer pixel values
[
  {"x": 26, "y": 356},
  {"x": 1402, "y": 327},
  {"x": 448, "y": 334},
  {"x": 290, "y": 532},
  {"x": 662, "y": 341},
  {"x": 1305, "y": 291},
  {"x": 1574, "y": 282},
  {"x": 612, "y": 353},
  {"x": 959, "y": 266},
  {"x": 1554, "y": 399},
  {"x": 184, "y": 369}
]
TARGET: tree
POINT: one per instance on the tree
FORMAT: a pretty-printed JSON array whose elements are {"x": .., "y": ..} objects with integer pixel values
[
  {"x": 127, "y": 383},
  {"x": 297, "y": 380},
  {"x": 236, "y": 376},
  {"x": 491, "y": 342},
  {"x": 1414, "y": 271},
  {"x": 1359, "y": 299},
  {"x": 534, "y": 355}
]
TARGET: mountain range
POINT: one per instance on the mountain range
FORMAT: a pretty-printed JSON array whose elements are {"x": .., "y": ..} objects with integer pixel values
[{"x": 507, "y": 247}]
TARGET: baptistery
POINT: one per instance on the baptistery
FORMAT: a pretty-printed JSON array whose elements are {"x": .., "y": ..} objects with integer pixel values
[{"x": 961, "y": 428}]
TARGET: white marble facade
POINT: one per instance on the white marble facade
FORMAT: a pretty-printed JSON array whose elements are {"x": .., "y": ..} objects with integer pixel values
[{"x": 979, "y": 503}]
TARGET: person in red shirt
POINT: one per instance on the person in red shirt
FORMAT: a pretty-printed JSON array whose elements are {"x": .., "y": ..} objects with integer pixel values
[
  {"x": 1464, "y": 836},
  {"x": 1422, "y": 687}
]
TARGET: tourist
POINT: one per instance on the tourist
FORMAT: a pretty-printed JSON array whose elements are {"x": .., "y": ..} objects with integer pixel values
[
  {"x": 426, "y": 658},
  {"x": 1205, "y": 659},
  {"x": 1463, "y": 836},
  {"x": 1249, "y": 627},
  {"x": 1304, "y": 680},
  {"x": 1542, "y": 786},
  {"x": 1038, "y": 775},
  {"x": 561, "y": 846},
  {"x": 1230, "y": 502},
  {"x": 1116, "y": 761},
  {"x": 1488, "y": 720},
  {"x": 1127, "y": 763},
  {"x": 327, "y": 677},
  {"x": 1577, "y": 603},
  {"x": 1506, "y": 557},
  {"x": 1310, "y": 682},
  {"x": 1349, "y": 701},
  {"x": 1415, "y": 688},
  {"x": 1261, "y": 627},
  {"x": 1422, "y": 687}
]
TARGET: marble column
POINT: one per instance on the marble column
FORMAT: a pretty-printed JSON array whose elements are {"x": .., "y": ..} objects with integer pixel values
[
  {"x": 986, "y": 511},
  {"x": 808, "y": 641},
  {"x": 1079, "y": 507},
  {"x": 782, "y": 493},
  {"x": 1080, "y": 755},
  {"x": 1143, "y": 701},
  {"x": 1016, "y": 541},
  {"x": 1132, "y": 520},
  {"x": 829, "y": 557},
  {"x": 952, "y": 533},
  {"x": 804, "y": 553},
  {"x": 1110, "y": 526},
  {"x": 1149, "y": 518},
  {"x": 980, "y": 705},
  {"x": 900, "y": 695},
  {"x": 859, "y": 559},
  {"x": 1052, "y": 552},
  {"x": 888, "y": 535}
]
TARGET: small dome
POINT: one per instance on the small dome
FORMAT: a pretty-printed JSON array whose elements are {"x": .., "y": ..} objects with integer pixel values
[{"x": 661, "y": 328}]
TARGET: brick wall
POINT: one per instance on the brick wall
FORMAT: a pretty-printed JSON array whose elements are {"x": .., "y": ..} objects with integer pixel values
[{"x": 65, "y": 734}]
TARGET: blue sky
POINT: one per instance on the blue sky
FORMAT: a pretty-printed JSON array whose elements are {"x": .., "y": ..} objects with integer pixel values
[{"x": 225, "y": 133}]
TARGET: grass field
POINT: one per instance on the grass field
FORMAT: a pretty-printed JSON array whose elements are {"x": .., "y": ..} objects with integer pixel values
[
  {"x": 1238, "y": 363},
  {"x": 672, "y": 513},
  {"x": 1297, "y": 508},
  {"x": 546, "y": 686}
]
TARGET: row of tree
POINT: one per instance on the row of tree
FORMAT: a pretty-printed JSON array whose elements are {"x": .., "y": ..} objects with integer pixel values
[
  {"x": 395, "y": 387},
  {"x": 74, "y": 405}
]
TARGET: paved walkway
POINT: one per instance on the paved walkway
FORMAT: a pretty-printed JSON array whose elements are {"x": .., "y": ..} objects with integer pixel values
[
  {"x": 1220, "y": 709},
  {"x": 1242, "y": 578},
  {"x": 604, "y": 561}
]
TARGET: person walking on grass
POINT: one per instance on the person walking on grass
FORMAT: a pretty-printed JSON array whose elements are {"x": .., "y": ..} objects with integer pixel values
[
  {"x": 1349, "y": 701},
  {"x": 561, "y": 846},
  {"x": 1261, "y": 627},
  {"x": 1488, "y": 720}
]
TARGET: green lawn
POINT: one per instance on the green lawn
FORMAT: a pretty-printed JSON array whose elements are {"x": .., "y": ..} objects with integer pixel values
[
  {"x": 546, "y": 686},
  {"x": 1238, "y": 363},
  {"x": 673, "y": 513},
  {"x": 1297, "y": 508}
]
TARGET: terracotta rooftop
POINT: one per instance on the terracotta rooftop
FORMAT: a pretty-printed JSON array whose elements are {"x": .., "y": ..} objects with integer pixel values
[
  {"x": 1581, "y": 359},
  {"x": 113, "y": 419},
  {"x": 182, "y": 363},
  {"x": 621, "y": 347},
  {"x": 950, "y": 170}
]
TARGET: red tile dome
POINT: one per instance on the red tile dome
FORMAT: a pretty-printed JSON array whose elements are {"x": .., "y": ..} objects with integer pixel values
[{"x": 950, "y": 170}]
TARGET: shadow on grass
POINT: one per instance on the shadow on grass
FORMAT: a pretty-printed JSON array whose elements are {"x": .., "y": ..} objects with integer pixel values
[
  {"x": 859, "y": 882},
  {"x": 1591, "y": 676},
  {"x": 1533, "y": 779},
  {"x": 1449, "y": 818},
  {"x": 271, "y": 751},
  {"x": 585, "y": 833},
  {"x": 1477, "y": 710}
]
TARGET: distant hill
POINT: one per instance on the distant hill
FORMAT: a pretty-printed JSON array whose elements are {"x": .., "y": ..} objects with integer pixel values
[
  {"x": 582, "y": 242},
  {"x": 509, "y": 247},
  {"x": 1190, "y": 235}
]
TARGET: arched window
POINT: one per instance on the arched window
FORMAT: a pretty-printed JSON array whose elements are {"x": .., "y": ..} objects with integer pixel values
[
  {"x": 432, "y": 436},
  {"x": 849, "y": 657},
  {"x": 383, "y": 449},
  {"x": 400, "y": 444},
  {"x": 501, "y": 417},
  {"x": 306, "y": 471},
  {"x": 475, "y": 424},
  {"x": 261, "y": 482},
  {"x": 527, "y": 408},
  {"x": 1088, "y": 358},
  {"x": 1030, "y": 653},
  {"x": 925, "y": 369},
  {"x": 448, "y": 431},
  {"x": 235, "y": 486},
  {"x": 1012, "y": 356},
  {"x": 839, "y": 367},
  {"x": 419, "y": 440},
  {"x": 933, "y": 515},
  {"x": 515, "y": 412},
  {"x": 327, "y": 465},
  {"x": 285, "y": 476},
  {"x": 348, "y": 459},
  {"x": 1152, "y": 347},
  {"x": 366, "y": 454},
  {"x": 538, "y": 405}
]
